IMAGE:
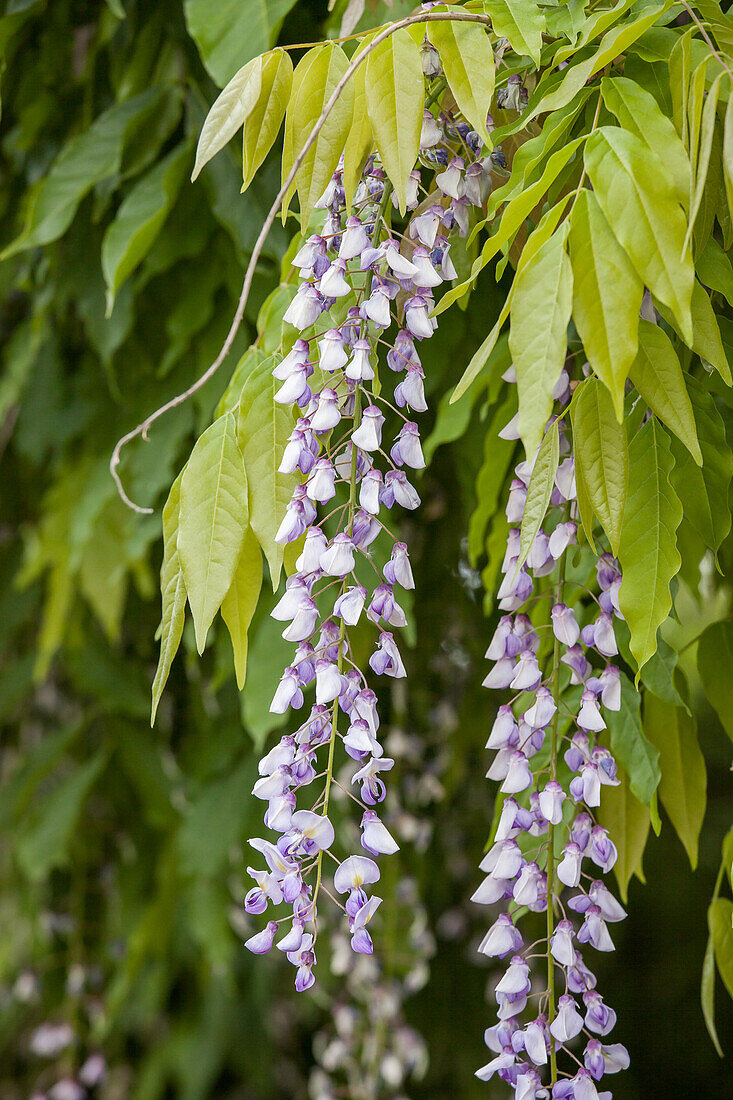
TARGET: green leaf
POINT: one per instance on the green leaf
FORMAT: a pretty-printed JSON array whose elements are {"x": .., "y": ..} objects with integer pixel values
[
  {"x": 707, "y": 994},
  {"x": 173, "y": 594},
  {"x": 637, "y": 196},
  {"x": 44, "y": 843},
  {"x": 704, "y": 490},
  {"x": 658, "y": 377},
  {"x": 452, "y": 420},
  {"x": 607, "y": 295},
  {"x": 85, "y": 161},
  {"x": 539, "y": 491},
  {"x": 728, "y": 154},
  {"x": 468, "y": 63},
  {"x": 238, "y": 606},
  {"x": 541, "y": 304},
  {"x": 490, "y": 479},
  {"x": 314, "y": 81},
  {"x": 638, "y": 112},
  {"x": 630, "y": 746},
  {"x": 230, "y": 32},
  {"x": 627, "y": 821},
  {"x": 140, "y": 218},
  {"x": 715, "y": 270},
  {"x": 262, "y": 124},
  {"x": 720, "y": 923},
  {"x": 213, "y": 519},
  {"x": 648, "y": 549},
  {"x": 659, "y": 671},
  {"x": 519, "y": 21},
  {"x": 683, "y": 786},
  {"x": 229, "y": 111},
  {"x": 263, "y": 430},
  {"x": 706, "y": 338},
  {"x": 703, "y": 159},
  {"x": 601, "y": 453},
  {"x": 360, "y": 141},
  {"x": 395, "y": 92},
  {"x": 714, "y": 663}
]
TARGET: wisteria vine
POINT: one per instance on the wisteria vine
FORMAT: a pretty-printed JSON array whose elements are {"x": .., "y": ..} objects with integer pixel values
[
  {"x": 331, "y": 376},
  {"x": 547, "y": 827}
]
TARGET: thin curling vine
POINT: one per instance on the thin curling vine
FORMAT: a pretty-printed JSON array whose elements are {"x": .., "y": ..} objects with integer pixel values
[{"x": 449, "y": 141}]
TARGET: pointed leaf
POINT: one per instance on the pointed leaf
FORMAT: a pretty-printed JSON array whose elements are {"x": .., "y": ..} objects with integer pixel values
[
  {"x": 683, "y": 786},
  {"x": 314, "y": 81},
  {"x": 238, "y": 606},
  {"x": 541, "y": 303},
  {"x": 395, "y": 94},
  {"x": 84, "y": 161},
  {"x": 360, "y": 141},
  {"x": 173, "y": 594},
  {"x": 468, "y": 64},
  {"x": 707, "y": 994},
  {"x": 519, "y": 21},
  {"x": 704, "y": 490},
  {"x": 213, "y": 520},
  {"x": 714, "y": 269},
  {"x": 601, "y": 453},
  {"x": 703, "y": 159},
  {"x": 637, "y": 196},
  {"x": 630, "y": 746},
  {"x": 720, "y": 923},
  {"x": 228, "y": 112},
  {"x": 539, "y": 491},
  {"x": 263, "y": 430},
  {"x": 140, "y": 219},
  {"x": 230, "y": 32},
  {"x": 639, "y": 112},
  {"x": 658, "y": 377},
  {"x": 262, "y": 123},
  {"x": 648, "y": 549},
  {"x": 627, "y": 821},
  {"x": 607, "y": 295}
]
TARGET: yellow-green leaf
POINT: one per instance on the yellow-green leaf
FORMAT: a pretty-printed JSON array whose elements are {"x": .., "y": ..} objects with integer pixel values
[
  {"x": 714, "y": 663},
  {"x": 468, "y": 64},
  {"x": 173, "y": 594},
  {"x": 627, "y": 821},
  {"x": 683, "y": 786},
  {"x": 657, "y": 375},
  {"x": 539, "y": 491},
  {"x": 607, "y": 295},
  {"x": 648, "y": 550},
  {"x": 228, "y": 112},
  {"x": 213, "y": 519},
  {"x": 263, "y": 430},
  {"x": 638, "y": 111},
  {"x": 637, "y": 196},
  {"x": 314, "y": 81},
  {"x": 360, "y": 141},
  {"x": 521, "y": 21},
  {"x": 240, "y": 602},
  {"x": 720, "y": 922},
  {"x": 395, "y": 91},
  {"x": 601, "y": 455},
  {"x": 541, "y": 303},
  {"x": 262, "y": 124}
]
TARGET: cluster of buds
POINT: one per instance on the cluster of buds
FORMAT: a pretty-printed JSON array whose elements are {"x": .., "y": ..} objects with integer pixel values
[
  {"x": 552, "y": 770},
  {"x": 357, "y": 281}
]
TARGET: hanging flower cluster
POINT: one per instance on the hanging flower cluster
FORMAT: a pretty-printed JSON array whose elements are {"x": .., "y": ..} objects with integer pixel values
[
  {"x": 357, "y": 280},
  {"x": 547, "y": 838}
]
